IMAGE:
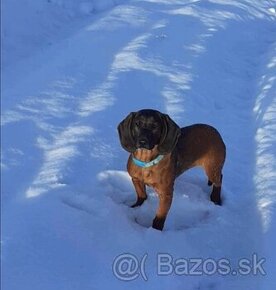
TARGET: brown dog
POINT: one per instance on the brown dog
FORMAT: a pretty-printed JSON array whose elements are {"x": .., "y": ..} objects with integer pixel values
[{"x": 161, "y": 151}]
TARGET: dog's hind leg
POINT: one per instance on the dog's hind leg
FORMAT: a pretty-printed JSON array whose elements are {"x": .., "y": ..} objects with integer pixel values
[
  {"x": 140, "y": 191},
  {"x": 215, "y": 178},
  {"x": 215, "y": 195}
]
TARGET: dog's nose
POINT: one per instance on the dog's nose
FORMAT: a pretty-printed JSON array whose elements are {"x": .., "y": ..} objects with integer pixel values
[{"x": 143, "y": 142}]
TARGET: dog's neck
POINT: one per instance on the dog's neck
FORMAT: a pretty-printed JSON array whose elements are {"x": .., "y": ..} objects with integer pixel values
[{"x": 146, "y": 155}]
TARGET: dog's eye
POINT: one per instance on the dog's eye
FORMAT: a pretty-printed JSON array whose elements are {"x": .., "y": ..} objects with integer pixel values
[{"x": 138, "y": 123}]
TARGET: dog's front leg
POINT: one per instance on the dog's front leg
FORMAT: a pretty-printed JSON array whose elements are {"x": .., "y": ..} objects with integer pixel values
[
  {"x": 140, "y": 191},
  {"x": 165, "y": 201}
]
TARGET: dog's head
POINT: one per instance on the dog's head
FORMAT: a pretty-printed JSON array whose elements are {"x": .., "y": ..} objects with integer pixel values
[{"x": 147, "y": 128}]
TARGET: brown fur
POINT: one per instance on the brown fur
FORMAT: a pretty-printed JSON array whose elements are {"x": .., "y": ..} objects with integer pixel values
[{"x": 197, "y": 145}]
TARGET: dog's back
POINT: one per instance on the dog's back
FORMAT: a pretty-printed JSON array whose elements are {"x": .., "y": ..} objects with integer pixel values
[{"x": 201, "y": 145}]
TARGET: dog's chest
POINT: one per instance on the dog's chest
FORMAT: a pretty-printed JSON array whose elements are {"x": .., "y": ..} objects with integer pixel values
[
  {"x": 151, "y": 176},
  {"x": 146, "y": 175}
]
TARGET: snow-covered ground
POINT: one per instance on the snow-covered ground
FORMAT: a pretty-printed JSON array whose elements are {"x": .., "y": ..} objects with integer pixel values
[{"x": 72, "y": 70}]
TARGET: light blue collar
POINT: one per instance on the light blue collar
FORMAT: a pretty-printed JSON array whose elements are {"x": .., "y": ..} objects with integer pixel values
[{"x": 147, "y": 164}]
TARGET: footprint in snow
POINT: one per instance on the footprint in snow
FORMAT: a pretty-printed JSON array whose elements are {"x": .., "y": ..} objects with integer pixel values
[{"x": 118, "y": 186}]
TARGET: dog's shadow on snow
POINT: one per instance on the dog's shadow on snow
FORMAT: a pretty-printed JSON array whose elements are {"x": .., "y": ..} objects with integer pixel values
[{"x": 191, "y": 205}]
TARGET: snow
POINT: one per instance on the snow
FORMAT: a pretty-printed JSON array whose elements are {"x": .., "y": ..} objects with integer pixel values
[
  {"x": 39, "y": 24},
  {"x": 72, "y": 70},
  {"x": 265, "y": 170}
]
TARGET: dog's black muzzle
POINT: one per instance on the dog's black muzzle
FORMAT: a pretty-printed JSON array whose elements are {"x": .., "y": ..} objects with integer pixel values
[{"x": 145, "y": 141}]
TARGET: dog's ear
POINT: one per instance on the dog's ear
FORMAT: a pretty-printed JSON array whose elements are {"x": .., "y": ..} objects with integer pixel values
[
  {"x": 124, "y": 129},
  {"x": 169, "y": 136}
]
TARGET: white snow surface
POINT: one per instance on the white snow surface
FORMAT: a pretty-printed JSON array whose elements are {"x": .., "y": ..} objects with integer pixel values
[{"x": 72, "y": 70}]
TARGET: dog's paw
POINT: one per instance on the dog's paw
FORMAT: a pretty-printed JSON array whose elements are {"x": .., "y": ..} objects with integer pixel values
[
  {"x": 216, "y": 200},
  {"x": 139, "y": 202},
  {"x": 158, "y": 223}
]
